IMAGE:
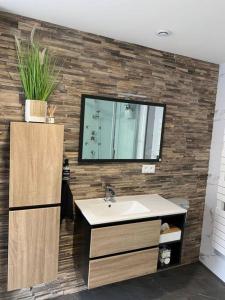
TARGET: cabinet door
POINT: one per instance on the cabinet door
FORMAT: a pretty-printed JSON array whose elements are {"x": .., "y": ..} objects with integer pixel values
[
  {"x": 36, "y": 154},
  {"x": 33, "y": 246}
]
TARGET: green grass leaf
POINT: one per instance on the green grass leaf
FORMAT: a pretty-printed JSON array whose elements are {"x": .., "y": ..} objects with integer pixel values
[{"x": 37, "y": 69}]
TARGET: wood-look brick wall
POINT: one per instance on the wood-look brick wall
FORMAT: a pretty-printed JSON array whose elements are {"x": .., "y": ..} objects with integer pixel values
[{"x": 102, "y": 66}]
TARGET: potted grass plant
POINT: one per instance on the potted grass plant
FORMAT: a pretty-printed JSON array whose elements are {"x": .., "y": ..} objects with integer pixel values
[{"x": 38, "y": 75}]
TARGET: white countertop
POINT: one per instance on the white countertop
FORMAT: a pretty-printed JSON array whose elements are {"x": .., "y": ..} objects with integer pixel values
[{"x": 97, "y": 211}]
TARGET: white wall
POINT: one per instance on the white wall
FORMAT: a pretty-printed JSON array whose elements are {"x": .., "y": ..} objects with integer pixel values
[{"x": 208, "y": 256}]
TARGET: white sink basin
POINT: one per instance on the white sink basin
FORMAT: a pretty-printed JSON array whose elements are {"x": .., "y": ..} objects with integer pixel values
[
  {"x": 132, "y": 207},
  {"x": 117, "y": 209}
]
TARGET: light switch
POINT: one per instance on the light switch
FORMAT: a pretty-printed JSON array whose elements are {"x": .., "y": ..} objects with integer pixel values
[{"x": 148, "y": 169}]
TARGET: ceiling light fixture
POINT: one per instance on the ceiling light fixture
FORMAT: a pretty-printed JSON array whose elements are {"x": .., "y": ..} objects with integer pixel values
[{"x": 163, "y": 33}]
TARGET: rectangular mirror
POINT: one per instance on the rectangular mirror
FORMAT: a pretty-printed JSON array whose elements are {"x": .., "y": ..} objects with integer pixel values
[{"x": 120, "y": 130}]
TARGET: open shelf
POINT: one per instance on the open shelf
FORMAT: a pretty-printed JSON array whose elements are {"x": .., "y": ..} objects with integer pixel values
[
  {"x": 175, "y": 257},
  {"x": 176, "y": 245},
  {"x": 175, "y": 220}
]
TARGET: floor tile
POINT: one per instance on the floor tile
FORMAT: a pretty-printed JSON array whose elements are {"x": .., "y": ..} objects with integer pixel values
[{"x": 191, "y": 282}]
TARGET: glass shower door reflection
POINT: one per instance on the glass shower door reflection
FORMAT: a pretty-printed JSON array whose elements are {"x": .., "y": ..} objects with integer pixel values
[
  {"x": 126, "y": 125},
  {"x": 98, "y": 129}
]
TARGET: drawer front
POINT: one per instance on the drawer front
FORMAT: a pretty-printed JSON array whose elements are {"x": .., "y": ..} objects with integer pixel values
[
  {"x": 121, "y": 267},
  {"x": 122, "y": 238}
]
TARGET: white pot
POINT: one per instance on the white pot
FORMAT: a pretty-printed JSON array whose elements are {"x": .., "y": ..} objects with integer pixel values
[{"x": 35, "y": 111}]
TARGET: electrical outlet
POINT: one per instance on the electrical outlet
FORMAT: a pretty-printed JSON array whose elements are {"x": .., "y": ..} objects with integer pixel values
[{"x": 148, "y": 169}]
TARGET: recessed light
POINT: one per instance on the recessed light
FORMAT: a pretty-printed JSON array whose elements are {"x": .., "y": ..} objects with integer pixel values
[{"x": 163, "y": 33}]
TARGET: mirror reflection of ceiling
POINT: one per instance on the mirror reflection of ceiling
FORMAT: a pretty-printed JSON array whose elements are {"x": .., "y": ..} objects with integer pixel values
[{"x": 197, "y": 26}]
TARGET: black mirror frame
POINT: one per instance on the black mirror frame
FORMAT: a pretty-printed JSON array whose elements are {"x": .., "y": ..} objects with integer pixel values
[{"x": 96, "y": 161}]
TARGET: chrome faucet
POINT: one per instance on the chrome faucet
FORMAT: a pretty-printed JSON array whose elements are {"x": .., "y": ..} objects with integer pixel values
[{"x": 109, "y": 194}]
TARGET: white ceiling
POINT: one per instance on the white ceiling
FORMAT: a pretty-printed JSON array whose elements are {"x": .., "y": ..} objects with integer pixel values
[{"x": 198, "y": 26}]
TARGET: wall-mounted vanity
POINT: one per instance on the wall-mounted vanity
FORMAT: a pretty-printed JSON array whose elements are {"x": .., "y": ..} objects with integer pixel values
[{"x": 121, "y": 240}]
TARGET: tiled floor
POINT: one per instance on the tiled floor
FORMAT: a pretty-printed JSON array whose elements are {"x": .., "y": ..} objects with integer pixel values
[{"x": 191, "y": 282}]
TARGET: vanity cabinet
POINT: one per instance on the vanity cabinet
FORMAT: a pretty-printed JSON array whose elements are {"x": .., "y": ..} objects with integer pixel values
[
  {"x": 36, "y": 157},
  {"x": 122, "y": 240},
  {"x": 116, "y": 252}
]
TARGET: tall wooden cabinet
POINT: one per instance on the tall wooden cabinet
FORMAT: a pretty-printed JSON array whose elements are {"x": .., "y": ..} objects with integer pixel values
[{"x": 36, "y": 155}]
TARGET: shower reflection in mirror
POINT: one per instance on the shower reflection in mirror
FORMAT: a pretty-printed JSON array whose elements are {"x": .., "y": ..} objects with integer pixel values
[{"x": 120, "y": 130}]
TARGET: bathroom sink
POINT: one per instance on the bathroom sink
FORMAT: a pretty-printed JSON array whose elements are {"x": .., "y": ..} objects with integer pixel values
[
  {"x": 126, "y": 208},
  {"x": 116, "y": 209}
]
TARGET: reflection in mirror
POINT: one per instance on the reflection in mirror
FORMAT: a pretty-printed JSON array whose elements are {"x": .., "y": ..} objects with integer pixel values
[{"x": 120, "y": 130}]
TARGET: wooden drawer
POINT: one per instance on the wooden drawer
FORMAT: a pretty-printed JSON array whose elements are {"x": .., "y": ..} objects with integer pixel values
[
  {"x": 121, "y": 267},
  {"x": 122, "y": 238}
]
